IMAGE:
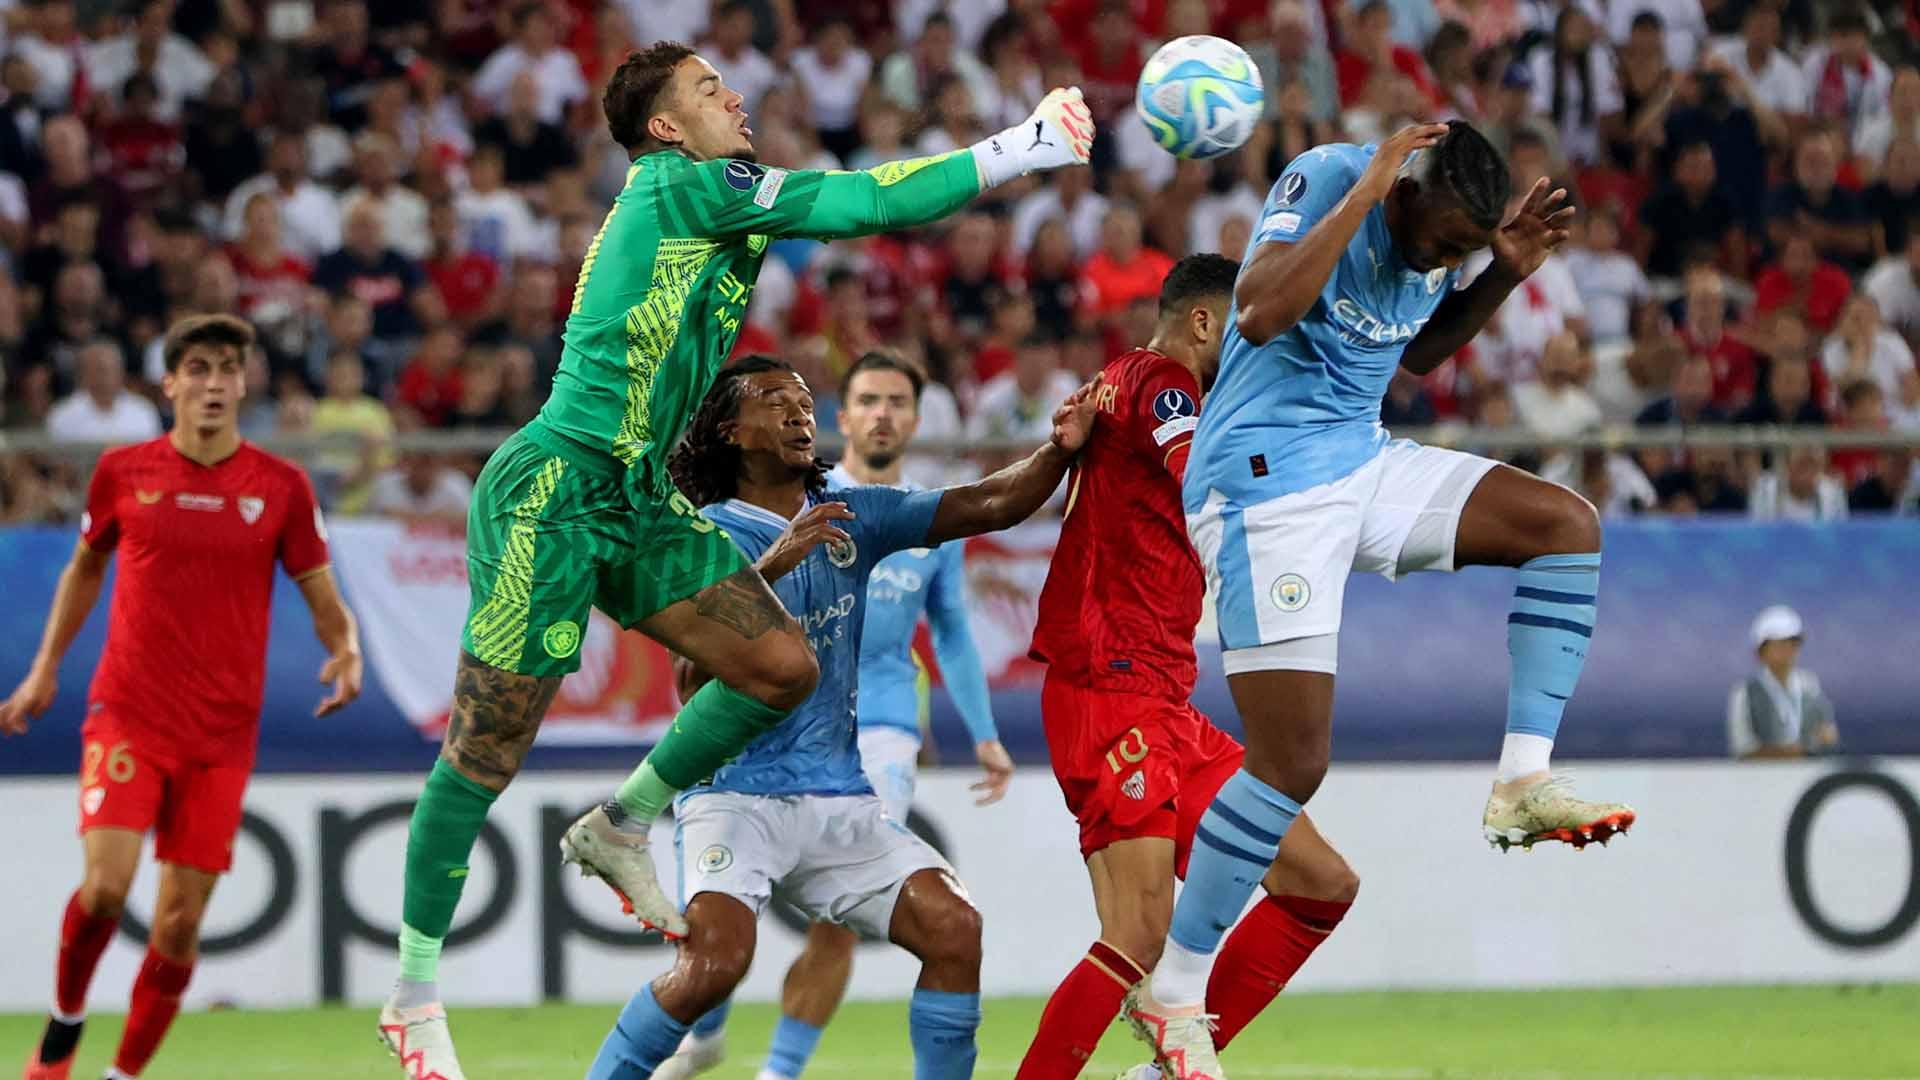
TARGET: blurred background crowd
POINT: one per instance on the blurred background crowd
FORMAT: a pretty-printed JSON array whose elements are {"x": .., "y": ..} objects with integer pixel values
[{"x": 399, "y": 195}]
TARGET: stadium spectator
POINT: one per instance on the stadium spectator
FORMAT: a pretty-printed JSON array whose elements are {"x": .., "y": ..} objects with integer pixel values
[
  {"x": 1576, "y": 87},
  {"x": 1068, "y": 198},
  {"x": 1899, "y": 121},
  {"x": 422, "y": 489},
  {"x": 75, "y": 315},
  {"x": 309, "y": 213},
  {"x": 1292, "y": 59},
  {"x": 1544, "y": 305},
  {"x": 274, "y": 287},
  {"x": 1803, "y": 284},
  {"x": 535, "y": 49},
  {"x": 1110, "y": 58},
  {"x": 1557, "y": 404},
  {"x": 71, "y": 237},
  {"x": 1786, "y": 392},
  {"x": 178, "y": 71},
  {"x": 1863, "y": 408},
  {"x": 1862, "y": 348},
  {"x": 1449, "y": 56},
  {"x": 480, "y": 404},
  {"x": 389, "y": 282},
  {"x": 1369, "y": 56},
  {"x": 468, "y": 283},
  {"x": 1610, "y": 282},
  {"x": 1019, "y": 403},
  {"x": 1892, "y": 202},
  {"x": 1013, "y": 321},
  {"x": 530, "y": 320},
  {"x": 495, "y": 221},
  {"x": 731, "y": 49},
  {"x": 402, "y": 212},
  {"x": 1704, "y": 332},
  {"x": 1845, "y": 80},
  {"x": 1706, "y": 109},
  {"x": 69, "y": 174},
  {"x": 222, "y": 149},
  {"x": 1710, "y": 482},
  {"x": 1052, "y": 279},
  {"x": 345, "y": 408},
  {"x": 954, "y": 122},
  {"x": 143, "y": 153},
  {"x": 1757, "y": 60},
  {"x": 1016, "y": 76},
  {"x": 835, "y": 70},
  {"x": 1647, "y": 84},
  {"x": 975, "y": 276},
  {"x": 1798, "y": 488},
  {"x": 52, "y": 45},
  {"x": 1812, "y": 204},
  {"x": 1779, "y": 711},
  {"x": 1492, "y": 23},
  {"x": 101, "y": 408},
  {"x": 1895, "y": 285},
  {"x": 1509, "y": 115},
  {"x": 1123, "y": 270},
  {"x": 1626, "y": 381},
  {"x": 150, "y": 288},
  {"x": 908, "y": 77},
  {"x": 1680, "y": 25},
  {"x": 846, "y": 328},
  {"x": 301, "y": 112},
  {"x": 348, "y": 62},
  {"x": 1689, "y": 397},
  {"x": 429, "y": 385},
  {"x": 883, "y": 133},
  {"x": 1688, "y": 218},
  {"x": 1615, "y": 486}
]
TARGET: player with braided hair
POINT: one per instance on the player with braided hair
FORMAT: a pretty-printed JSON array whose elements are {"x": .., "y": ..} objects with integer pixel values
[{"x": 1353, "y": 273}]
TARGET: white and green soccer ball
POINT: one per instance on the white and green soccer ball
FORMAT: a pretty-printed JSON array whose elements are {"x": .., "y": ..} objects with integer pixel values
[{"x": 1200, "y": 96}]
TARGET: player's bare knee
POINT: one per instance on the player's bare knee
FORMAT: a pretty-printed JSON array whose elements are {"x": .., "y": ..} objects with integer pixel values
[
  {"x": 103, "y": 895},
  {"x": 940, "y": 924},
  {"x": 709, "y": 970},
  {"x": 1576, "y": 525},
  {"x": 1293, "y": 763},
  {"x": 1330, "y": 879},
  {"x": 176, "y": 933}
]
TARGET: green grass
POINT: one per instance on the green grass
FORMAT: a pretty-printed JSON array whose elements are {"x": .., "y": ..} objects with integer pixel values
[{"x": 1799, "y": 1032}]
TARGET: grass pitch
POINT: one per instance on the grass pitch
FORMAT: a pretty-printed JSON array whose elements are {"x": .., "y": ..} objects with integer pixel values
[{"x": 1780, "y": 1033}]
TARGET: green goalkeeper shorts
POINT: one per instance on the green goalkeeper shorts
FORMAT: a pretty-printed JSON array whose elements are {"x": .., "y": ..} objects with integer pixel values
[{"x": 554, "y": 531}]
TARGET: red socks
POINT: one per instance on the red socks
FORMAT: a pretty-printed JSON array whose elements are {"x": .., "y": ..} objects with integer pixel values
[
  {"x": 1263, "y": 953},
  {"x": 83, "y": 938},
  {"x": 156, "y": 998},
  {"x": 1078, "y": 1013}
]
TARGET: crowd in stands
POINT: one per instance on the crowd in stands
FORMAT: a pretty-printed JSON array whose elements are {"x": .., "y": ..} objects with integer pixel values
[{"x": 399, "y": 196}]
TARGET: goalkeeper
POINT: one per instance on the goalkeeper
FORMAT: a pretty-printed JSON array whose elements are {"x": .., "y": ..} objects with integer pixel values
[{"x": 576, "y": 510}]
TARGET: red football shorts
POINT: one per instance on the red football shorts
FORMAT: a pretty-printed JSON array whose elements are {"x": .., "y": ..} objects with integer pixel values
[
  {"x": 193, "y": 810},
  {"x": 1133, "y": 766}
]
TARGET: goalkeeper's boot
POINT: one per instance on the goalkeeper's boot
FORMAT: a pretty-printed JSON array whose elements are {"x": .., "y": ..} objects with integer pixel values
[
  {"x": 1547, "y": 809},
  {"x": 697, "y": 1054},
  {"x": 607, "y": 844},
  {"x": 418, "y": 1036},
  {"x": 1182, "y": 1038}
]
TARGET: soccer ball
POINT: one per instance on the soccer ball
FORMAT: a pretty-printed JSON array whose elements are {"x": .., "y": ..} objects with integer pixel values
[{"x": 1200, "y": 96}]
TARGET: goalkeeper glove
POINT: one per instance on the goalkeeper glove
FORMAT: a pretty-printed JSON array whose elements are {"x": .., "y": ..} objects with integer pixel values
[{"x": 1060, "y": 132}]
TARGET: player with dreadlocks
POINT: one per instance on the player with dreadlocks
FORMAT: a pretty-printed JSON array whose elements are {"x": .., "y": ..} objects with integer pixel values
[
  {"x": 795, "y": 809},
  {"x": 576, "y": 510},
  {"x": 1352, "y": 273}
]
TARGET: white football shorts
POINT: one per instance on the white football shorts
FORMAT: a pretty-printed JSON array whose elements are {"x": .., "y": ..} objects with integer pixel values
[
  {"x": 838, "y": 858},
  {"x": 1278, "y": 569}
]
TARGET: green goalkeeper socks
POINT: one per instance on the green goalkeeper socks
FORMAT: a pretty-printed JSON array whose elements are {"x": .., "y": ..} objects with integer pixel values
[
  {"x": 446, "y": 822},
  {"x": 715, "y": 725}
]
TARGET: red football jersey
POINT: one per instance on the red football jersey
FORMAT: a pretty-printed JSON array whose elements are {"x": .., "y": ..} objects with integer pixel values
[
  {"x": 1123, "y": 594},
  {"x": 186, "y": 652}
]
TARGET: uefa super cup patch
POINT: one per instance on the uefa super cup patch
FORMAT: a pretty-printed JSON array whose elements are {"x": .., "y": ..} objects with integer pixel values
[
  {"x": 1292, "y": 187},
  {"x": 1177, "y": 414},
  {"x": 742, "y": 175}
]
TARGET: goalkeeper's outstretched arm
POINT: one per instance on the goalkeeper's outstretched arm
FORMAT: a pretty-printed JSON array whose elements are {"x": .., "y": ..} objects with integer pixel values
[{"x": 730, "y": 197}]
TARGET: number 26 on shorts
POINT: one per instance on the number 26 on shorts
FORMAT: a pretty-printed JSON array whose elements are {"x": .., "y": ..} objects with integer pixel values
[{"x": 119, "y": 763}]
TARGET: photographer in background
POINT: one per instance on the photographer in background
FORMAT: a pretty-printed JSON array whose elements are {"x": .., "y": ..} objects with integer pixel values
[{"x": 1779, "y": 711}]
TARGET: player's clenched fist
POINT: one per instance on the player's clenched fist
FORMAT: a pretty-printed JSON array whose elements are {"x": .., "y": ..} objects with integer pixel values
[{"x": 1059, "y": 133}]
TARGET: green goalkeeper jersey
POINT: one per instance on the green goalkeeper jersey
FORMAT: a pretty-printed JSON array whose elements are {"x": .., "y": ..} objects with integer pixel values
[{"x": 665, "y": 284}]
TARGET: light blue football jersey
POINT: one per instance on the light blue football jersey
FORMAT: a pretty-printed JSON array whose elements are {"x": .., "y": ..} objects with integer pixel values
[
  {"x": 814, "y": 751},
  {"x": 904, "y": 585},
  {"x": 1304, "y": 409}
]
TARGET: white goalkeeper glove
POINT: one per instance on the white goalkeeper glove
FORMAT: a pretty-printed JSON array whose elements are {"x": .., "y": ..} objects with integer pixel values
[{"x": 1059, "y": 133}]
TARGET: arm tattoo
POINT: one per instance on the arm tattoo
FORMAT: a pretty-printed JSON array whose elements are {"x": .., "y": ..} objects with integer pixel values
[
  {"x": 494, "y": 719},
  {"x": 741, "y": 602}
]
